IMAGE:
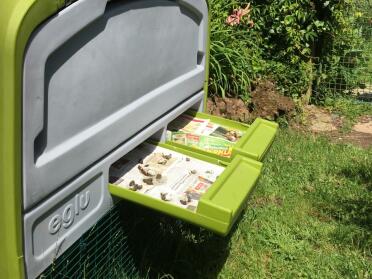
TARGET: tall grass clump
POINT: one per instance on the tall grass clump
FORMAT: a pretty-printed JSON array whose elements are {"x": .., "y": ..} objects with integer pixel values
[{"x": 235, "y": 59}]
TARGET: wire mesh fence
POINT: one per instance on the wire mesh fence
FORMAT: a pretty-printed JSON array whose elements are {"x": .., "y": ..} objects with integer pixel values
[
  {"x": 350, "y": 74},
  {"x": 102, "y": 252}
]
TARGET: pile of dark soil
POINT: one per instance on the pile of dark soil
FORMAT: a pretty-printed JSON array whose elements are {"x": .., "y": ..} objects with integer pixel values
[
  {"x": 266, "y": 103},
  {"x": 231, "y": 108}
]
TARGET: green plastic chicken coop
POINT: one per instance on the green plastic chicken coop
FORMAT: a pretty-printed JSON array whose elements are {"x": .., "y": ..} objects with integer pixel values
[{"x": 83, "y": 84}]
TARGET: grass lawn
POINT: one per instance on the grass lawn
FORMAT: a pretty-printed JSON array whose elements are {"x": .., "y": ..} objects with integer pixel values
[{"x": 310, "y": 216}]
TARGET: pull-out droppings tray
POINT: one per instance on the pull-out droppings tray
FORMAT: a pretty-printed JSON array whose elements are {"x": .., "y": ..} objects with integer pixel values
[
  {"x": 220, "y": 138},
  {"x": 195, "y": 188}
]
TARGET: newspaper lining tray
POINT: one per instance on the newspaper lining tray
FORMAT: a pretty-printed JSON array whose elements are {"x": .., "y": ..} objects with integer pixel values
[
  {"x": 216, "y": 207},
  {"x": 253, "y": 142}
]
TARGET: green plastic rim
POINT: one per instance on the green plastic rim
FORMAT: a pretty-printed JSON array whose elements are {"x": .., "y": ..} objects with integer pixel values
[{"x": 254, "y": 144}]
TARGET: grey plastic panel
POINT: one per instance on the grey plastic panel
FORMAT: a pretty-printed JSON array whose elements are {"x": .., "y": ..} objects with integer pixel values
[
  {"x": 97, "y": 73},
  {"x": 55, "y": 224}
]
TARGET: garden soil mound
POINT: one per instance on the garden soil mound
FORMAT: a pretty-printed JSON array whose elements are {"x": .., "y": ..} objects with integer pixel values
[{"x": 266, "y": 103}]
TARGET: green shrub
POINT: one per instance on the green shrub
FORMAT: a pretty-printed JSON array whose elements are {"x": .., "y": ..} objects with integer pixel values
[{"x": 282, "y": 44}]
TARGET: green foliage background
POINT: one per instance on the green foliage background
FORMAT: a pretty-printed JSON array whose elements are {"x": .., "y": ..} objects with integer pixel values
[{"x": 301, "y": 45}]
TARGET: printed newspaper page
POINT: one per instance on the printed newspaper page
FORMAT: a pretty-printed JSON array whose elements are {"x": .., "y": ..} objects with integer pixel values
[
  {"x": 188, "y": 124},
  {"x": 165, "y": 174},
  {"x": 203, "y": 134},
  {"x": 210, "y": 144}
]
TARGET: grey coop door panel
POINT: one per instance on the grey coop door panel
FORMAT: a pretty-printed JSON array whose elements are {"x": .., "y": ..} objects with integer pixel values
[{"x": 98, "y": 72}]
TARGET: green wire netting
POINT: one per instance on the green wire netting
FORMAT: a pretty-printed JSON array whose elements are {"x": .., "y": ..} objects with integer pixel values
[{"x": 102, "y": 252}]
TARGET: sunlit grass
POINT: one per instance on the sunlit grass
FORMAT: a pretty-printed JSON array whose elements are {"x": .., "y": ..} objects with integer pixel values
[{"x": 310, "y": 216}]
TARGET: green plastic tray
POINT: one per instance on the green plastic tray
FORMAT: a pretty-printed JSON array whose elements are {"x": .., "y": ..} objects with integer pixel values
[
  {"x": 254, "y": 144},
  {"x": 220, "y": 206}
]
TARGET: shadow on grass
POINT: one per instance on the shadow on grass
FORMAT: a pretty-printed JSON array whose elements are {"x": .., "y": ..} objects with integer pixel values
[
  {"x": 359, "y": 209},
  {"x": 355, "y": 218},
  {"x": 353, "y": 211},
  {"x": 357, "y": 212},
  {"x": 165, "y": 247},
  {"x": 362, "y": 174}
]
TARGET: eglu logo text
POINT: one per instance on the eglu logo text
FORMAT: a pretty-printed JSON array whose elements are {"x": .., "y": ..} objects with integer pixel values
[{"x": 77, "y": 206}]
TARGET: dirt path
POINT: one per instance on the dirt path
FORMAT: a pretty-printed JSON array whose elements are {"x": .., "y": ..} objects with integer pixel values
[{"x": 321, "y": 121}]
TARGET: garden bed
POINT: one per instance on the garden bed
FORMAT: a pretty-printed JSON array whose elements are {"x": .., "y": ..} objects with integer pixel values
[{"x": 266, "y": 103}]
